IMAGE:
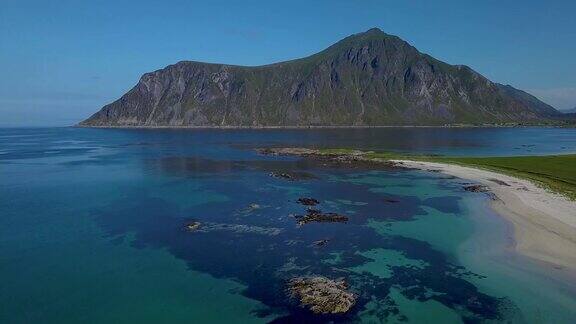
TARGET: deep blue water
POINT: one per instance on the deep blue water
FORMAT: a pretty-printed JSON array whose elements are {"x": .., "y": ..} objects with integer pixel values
[{"x": 92, "y": 228}]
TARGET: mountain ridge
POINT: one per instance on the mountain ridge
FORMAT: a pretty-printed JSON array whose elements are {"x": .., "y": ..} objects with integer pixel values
[{"x": 366, "y": 79}]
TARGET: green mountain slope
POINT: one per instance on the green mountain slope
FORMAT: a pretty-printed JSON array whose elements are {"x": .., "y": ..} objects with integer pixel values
[{"x": 370, "y": 78}]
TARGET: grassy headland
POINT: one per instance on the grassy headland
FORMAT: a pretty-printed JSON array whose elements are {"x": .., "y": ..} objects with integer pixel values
[{"x": 555, "y": 172}]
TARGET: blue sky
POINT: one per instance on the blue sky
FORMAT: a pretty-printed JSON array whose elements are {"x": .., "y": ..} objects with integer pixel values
[{"x": 62, "y": 60}]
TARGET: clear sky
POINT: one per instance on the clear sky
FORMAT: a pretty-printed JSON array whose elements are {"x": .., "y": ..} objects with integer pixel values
[{"x": 62, "y": 60}]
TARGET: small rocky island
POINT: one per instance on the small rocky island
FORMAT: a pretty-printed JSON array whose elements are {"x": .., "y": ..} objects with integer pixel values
[{"x": 322, "y": 295}]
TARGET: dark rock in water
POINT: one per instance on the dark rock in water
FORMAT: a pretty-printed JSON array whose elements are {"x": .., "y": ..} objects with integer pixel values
[
  {"x": 315, "y": 215},
  {"x": 192, "y": 226},
  {"x": 476, "y": 188},
  {"x": 500, "y": 182},
  {"x": 390, "y": 200},
  {"x": 292, "y": 176},
  {"x": 321, "y": 242},
  {"x": 322, "y": 295},
  {"x": 281, "y": 175},
  {"x": 481, "y": 188},
  {"x": 287, "y": 151},
  {"x": 308, "y": 201},
  {"x": 253, "y": 206}
]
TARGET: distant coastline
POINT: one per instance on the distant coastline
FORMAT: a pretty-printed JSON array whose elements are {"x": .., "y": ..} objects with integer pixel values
[{"x": 327, "y": 127}]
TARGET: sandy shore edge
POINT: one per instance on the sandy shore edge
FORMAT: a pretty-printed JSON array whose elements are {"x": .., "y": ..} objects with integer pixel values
[{"x": 544, "y": 222}]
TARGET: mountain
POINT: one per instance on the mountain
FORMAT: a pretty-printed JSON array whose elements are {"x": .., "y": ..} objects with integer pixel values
[
  {"x": 569, "y": 111},
  {"x": 370, "y": 78}
]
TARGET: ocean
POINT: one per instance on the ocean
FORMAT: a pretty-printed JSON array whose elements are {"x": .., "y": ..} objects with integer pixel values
[{"x": 93, "y": 228}]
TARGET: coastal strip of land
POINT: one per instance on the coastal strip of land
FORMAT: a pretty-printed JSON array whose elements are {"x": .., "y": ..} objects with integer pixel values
[
  {"x": 300, "y": 127},
  {"x": 536, "y": 194}
]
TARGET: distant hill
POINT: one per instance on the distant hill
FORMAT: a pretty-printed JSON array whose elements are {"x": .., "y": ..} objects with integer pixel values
[
  {"x": 370, "y": 78},
  {"x": 569, "y": 111}
]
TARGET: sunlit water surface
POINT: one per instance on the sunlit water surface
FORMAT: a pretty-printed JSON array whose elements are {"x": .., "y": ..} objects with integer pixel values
[{"x": 91, "y": 229}]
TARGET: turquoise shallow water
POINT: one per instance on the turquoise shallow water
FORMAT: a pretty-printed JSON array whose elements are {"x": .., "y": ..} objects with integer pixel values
[{"x": 91, "y": 229}]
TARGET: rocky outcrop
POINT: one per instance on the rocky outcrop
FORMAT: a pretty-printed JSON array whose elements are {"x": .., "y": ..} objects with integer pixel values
[
  {"x": 317, "y": 216},
  {"x": 292, "y": 175},
  {"x": 322, "y": 295},
  {"x": 370, "y": 78},
  {"x": 476, "y": 188},
  {"x": 192, "y": 226},
  {"x": 308, "y": 201}
]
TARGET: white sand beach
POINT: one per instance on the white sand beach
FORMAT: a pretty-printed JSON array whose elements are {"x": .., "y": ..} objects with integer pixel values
[{"x": 544, "y": 222}]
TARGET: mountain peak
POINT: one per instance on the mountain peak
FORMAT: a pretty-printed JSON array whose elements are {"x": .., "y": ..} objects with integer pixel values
[
  {"x": 374, "y": 30},
  {"x": 371, "y": 33},
  {"x": 361, "y": 39},
  {"x": 370, "y": 78}
]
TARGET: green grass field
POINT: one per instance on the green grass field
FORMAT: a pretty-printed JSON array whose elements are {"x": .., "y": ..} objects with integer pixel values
[{"x": 555, "y": 172}]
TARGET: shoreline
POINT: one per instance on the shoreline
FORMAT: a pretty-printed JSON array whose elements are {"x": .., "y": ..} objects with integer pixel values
[
  {"x": 320, "y": 127},
  {"x": 544, "y": 223}
]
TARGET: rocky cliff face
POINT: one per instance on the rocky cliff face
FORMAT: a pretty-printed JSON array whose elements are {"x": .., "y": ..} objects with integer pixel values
[{"x": 369, "y": 78}]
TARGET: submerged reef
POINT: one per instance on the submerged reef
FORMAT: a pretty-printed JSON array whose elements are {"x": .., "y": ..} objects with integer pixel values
[
  {"x": 233, "y": 228},
  {"x": 253, "y": 239}
]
